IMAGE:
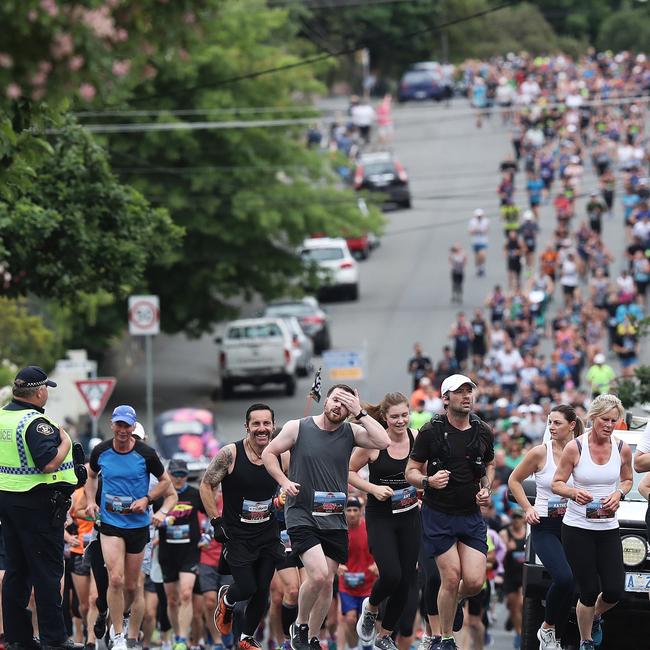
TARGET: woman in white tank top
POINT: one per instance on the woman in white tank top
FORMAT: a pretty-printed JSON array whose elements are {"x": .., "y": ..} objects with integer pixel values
[
  {"x": 601, "y": 467},
  {"x": 545, "y": 518}
]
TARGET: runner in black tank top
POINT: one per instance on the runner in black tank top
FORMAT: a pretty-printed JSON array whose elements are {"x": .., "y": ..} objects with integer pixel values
[
  {"x": 392, "y": 520},
  {"x": 248, "y": 527}
]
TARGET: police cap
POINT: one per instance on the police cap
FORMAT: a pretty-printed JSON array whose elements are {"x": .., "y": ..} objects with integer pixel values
[{"x": 32, "y": 377}]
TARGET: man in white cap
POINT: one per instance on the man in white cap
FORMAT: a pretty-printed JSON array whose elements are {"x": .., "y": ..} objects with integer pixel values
[
  {"x": 453, "y": 462},
  {"x": 600, "y": 375},
  {"x": 479, "y": 225}
]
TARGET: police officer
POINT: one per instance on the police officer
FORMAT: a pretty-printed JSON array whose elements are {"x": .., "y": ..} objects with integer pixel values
[{"x": 37, "y": 478}]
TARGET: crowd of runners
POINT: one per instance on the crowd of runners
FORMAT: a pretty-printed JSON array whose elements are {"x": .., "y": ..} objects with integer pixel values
[{"x": 388, "y": 524}]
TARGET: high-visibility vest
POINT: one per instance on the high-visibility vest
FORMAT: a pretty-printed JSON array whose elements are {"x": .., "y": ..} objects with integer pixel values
[{"x": 18, "y": 472}]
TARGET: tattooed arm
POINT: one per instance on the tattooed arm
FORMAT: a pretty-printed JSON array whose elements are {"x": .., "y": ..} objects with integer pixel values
[{"x": 220, "y": 465}]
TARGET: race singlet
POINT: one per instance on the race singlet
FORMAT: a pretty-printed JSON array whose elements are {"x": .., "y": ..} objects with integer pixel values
[
  {"x": 353, "y": 580},
  {"x": 595, "y": 510},
  {"x": 255, "y": 512},
  {"x": 328, "y": 503},
  {"x": 178, "y": 534},
  {"x": 556, "y": 507},
  {"x": 118, "y": 505},
  {"x": 403, "y": 500},
  {"x": 519, "y": 556}
]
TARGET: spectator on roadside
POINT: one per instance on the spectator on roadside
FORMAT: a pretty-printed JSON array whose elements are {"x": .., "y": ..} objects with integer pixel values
[{"x": 600, "y": 376}]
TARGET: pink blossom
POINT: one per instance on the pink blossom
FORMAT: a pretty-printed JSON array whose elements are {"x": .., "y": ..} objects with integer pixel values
[
  {"x": 62, "y": 45},
  {"x": 76, "y": 63},
  {"x": 44, "y": 66},
  {"x": 100, "y": 21},
  {"x": 87, "y": 91},
  {"x": 38, "y": 94},
  {"x": 50, "y": 7},
  {"x": 121, "y": 68},
  {"x": 113, "y": 3},
  {"x": 121, "y": 35},
  {"x": 32, "y": 15},
  {"x": 13, "y": 91},
  {"x": 189, "y": 18},
  {"x": 39, "y": 79},
  {"x": 149, "y": 72},
  {"x": 183, "y": 55},
  {"x": 5, "y": 60}
]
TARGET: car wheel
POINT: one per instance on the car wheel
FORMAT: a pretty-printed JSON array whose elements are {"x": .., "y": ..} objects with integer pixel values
[
  {"x": 290, "y": 386},
  {"x": 302, "y": 371},
  {"x": 532, "y": 618},
  {"x": 354, "y": 292},
  {"x": 406, "y": 204},
  {"x": 365, "y": 253},
  {"x": 226, "y": 389}
]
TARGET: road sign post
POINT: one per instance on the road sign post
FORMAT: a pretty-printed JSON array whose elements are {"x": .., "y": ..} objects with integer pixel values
[
  {"x": 144, "y": 320},
  {"x": 95, "y": 393}
]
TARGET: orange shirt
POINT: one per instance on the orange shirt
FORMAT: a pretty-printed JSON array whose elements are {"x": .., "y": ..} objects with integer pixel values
[{"x": 84, "y": 527}]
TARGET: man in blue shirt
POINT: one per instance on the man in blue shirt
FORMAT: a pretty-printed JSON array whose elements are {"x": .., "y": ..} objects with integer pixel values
[{"x": 126, "y": 464}]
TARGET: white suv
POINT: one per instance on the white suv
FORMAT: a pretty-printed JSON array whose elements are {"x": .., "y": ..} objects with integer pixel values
[
  {"x": 256, "y": 351},
  {"x": 336, "y": 268}
]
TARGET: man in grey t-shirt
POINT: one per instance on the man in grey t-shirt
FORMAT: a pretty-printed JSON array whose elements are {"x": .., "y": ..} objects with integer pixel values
[{"x": 316, "y": 489}]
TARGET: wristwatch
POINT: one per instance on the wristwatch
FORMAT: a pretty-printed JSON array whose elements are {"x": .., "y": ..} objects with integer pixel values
[
  {"x": 622, "y": 494},
  {"x": 149, "y": 500},
  {"x": 425, "y": 482},
  {"x": 361, "y": 414}
]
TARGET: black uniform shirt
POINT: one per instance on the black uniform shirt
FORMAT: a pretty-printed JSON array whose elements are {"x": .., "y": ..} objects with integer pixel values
[{"x": 42, "y": 438}]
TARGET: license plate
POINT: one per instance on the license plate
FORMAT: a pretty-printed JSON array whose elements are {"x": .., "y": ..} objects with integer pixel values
[
  {"x": 637, "y": 582},
  {"x": 420, "y": 94}
]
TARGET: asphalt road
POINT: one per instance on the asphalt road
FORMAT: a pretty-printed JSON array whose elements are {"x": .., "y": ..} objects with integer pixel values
[{"x": 405, "y": 285}]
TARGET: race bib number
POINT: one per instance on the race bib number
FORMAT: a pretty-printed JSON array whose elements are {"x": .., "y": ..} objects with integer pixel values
[
  {"x": 255, "y": 512},
  {"x": 595, "y": 510},
  {"x": 178, "y": 533},
  {"x": 403, "y": 500},
  {"x": 353, "y": 580},
  {"x": 328, "y": 503},
  {"x": 286, "y": 541},
  {"x": 556, "y": 508},
  {"x": 118, "y": 505},
  {"x": 519, "y": 556}
]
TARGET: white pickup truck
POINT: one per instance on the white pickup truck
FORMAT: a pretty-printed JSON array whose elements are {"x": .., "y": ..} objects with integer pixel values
[{"x": 256, "y": 351}]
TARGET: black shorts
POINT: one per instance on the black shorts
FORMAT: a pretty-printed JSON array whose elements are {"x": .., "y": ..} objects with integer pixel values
[
  {"x": 149, "y": 585},
  {"x": 290, "y": 561},
  {"x": 242, "y": 552},
  {"x": 79, "y": 564},
  {"x": 440, "y": 531},
  {"x": 210, "y": 579},
  {"x": 178, "y": 558},
  {"x": 334, "y": 542},
  {"x": 568, "y": 290},
  {"x": 135, "y": 539}
]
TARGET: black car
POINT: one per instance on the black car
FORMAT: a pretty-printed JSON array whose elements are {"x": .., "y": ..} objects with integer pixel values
[
  {"x": 634, "y": 606},
  {"x": 381, "y": 172},
  {"x": 313, "y": 320}
]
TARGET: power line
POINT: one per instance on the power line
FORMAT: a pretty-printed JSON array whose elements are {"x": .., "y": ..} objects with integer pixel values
[{"x": 323, "y": 57}]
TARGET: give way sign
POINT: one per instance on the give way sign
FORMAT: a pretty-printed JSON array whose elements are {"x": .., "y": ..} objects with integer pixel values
[{"x": 95, "y": 393}]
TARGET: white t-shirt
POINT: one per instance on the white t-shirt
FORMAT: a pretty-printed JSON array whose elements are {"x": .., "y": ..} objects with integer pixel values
[
  {"x": 478, "y": 230},
  {"x": 644, "y": 443},
  {"x": 510, "y": 362},
  {"x": 363, "y": 115},
  {"x": 569, "y": 274}
]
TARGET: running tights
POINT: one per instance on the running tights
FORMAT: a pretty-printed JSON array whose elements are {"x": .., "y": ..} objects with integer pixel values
[
  {"x": 100, "y": 574},
  {"x": 394, "y": 543},
  {"x": 594, "y": 555},
  {"x": 252, "y": 581}
]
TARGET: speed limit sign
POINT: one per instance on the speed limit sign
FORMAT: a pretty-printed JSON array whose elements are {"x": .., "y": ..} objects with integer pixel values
[{"x": 144, "y": 315}]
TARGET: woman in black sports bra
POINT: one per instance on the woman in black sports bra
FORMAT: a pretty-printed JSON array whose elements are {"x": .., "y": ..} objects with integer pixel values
[{"x": 392, "y": 519}]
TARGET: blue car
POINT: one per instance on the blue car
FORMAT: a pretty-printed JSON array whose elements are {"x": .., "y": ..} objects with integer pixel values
[{"x": 420, "y": 85}]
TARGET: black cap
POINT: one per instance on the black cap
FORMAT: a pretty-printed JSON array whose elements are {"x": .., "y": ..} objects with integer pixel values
[
  {"x": 178, "y": 466},
  {"x": 32, "y": 377},
  {"x": 353, "y": 502}
]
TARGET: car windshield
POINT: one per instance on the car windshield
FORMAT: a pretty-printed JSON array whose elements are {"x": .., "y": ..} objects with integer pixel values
[
  {"x": 418, "y": 77},
  {"x": 322, "y": 254},
  {"x": 289, "y": 309},
  {"x": 380, "y": 167},
  {"x": 261, "y": 331}
]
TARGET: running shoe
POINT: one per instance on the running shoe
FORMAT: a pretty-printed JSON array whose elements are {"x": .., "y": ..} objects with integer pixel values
[
  {"x": 179, "y": 645},
  {"x": 131, "y": 643},
  {"x": 459, "y": 618},
  {"x": 516, "y": 644},
  {"x": 597, "y": 631},
  {"x": 546, "y": 638},
  {"x": 426, "y": 642},
  {"x": 385, "y": 643},
  {"x": 100, "y": 625},
  {"x": 446, "y": 644},
  {"x": 119, "y": 642},
  {"x": 223, "y": 613},
  {"x": 248, "y": 643},
  {"x": 299, "y": 636},
  {"x": 366, "y": 624},
  {"x": 587, "y": 645},
  {"x": 314, "y": 643}
]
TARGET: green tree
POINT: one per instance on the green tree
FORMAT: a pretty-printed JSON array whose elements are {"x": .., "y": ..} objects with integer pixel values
[
  {"x": 626, "y": 30},
  {"x": 24, "y": 339},
  {"x": 245, "y": 197}
]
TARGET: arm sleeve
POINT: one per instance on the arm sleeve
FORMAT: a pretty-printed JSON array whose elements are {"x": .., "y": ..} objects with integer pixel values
[
  {"x": 43, "y": 441},
  {"x": 154, "y": 465},
  {"x": 420, "y": 452}
]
